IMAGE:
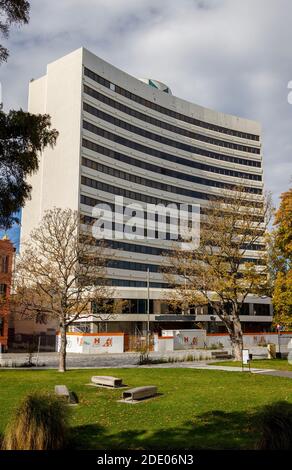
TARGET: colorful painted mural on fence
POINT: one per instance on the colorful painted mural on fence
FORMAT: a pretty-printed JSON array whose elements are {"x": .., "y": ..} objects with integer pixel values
[{"x": 92, "y": 343}]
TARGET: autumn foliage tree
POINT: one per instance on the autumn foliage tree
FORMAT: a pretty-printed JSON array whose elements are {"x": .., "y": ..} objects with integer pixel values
[
  {"x": 218, "y": 272},
  {"x": 59, "y": 275},
  {"x": 281, "y": 259}
]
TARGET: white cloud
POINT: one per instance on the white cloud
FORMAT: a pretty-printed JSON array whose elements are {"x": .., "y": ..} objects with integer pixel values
[{"x": 230, "y": 55}]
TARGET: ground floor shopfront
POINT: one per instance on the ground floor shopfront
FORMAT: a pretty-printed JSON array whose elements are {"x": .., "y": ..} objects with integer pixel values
[{"x": 134, "y": 322}]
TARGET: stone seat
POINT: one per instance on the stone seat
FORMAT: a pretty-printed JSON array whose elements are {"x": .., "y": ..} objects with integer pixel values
[
  {"x": 107, "y": 381},
  {"x": 221, "y": 355},
  {"x": 140, "y": 393},
  {"x": 62, "y": 391}
]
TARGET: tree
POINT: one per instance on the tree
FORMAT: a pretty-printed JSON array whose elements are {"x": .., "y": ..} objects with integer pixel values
[
  {"x": 281, "y": 261},
  {"x": 22, "y": 137},
  {"x": 216, "y": 273},
  {"x": 282, "y": 299},
  {"x": 283, "y": 222},
  {"x": 61, "y": 273},
  {"x": 11, "y": 12}
]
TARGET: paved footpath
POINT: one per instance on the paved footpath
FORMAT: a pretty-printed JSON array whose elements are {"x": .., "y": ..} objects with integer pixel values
[
  {"x": 74, "y": 361},
  {"x": 206, "y": 366},
  {"x": 127, "y": 360},
  {"x": 273, "y": 372},
  {"x": 277, "y": 373}
]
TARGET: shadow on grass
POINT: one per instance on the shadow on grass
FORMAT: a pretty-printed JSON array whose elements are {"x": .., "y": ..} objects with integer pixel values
[
  {"x": 266, "y": 428},
  {"x": 213, "y": 430}
]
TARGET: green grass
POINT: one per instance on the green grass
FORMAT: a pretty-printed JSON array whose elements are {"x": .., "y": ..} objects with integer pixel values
[
  {"x": 196, "y": 408},
  {"x": 277, "y": 364}
]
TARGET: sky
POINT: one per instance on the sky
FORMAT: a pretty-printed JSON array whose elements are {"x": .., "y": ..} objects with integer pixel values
[{"x": 234, "y": 56}]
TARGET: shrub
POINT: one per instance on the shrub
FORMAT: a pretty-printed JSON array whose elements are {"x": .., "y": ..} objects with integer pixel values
[
  {"x": 275, "y": 424},
  {"x": 39, "y": 423}
]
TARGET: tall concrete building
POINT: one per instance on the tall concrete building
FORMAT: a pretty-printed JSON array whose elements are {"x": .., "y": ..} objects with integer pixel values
[{"x": 128, "y": 137}]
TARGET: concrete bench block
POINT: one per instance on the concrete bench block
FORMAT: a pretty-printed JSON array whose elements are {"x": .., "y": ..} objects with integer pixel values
[
  {"x": 62, "y": 391},
  {"x": 140, "y": 393},
  {"x": 107, "y": 381}
]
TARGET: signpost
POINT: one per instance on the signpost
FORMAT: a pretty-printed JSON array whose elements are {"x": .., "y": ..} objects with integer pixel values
[
  {"x": 245, "y": 359},
  {"x": 279, "y": 340}
]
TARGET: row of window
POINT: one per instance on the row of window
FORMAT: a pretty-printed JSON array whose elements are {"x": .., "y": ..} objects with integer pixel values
[
  {"x": 144, "y": 249},
  {"x": 88, "y": 220},
  {"x": 131, "y": 194},
  {"x": 256, "y": 309},
  {"x": 89, "y": 201},
  {"x": 117, "y": 191},
  {"x": 166, "y": 171},
  {"x": 151, "y": 250},
  {"x": 157, "y": 153},
  {"x": 138, "y": 306},
  {"x": 154, "y": 268},
  {"x": 156, "y": 122},
  {"x": 133, "y": 266},
  {"x": 169, "y": 112},
  {"x": 140, "y": 232},
  {"x": 132, "y": 283},
  {"x": 157, "y": 185},
  {"x": 135, "y": 306}
]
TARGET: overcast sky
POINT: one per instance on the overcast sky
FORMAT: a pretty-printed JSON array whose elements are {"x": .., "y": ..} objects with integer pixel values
[{"x": 231, "y": 55}]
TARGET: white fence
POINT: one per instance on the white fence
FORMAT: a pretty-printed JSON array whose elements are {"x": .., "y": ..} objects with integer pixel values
[
  {"x": 179, "y": 340},
  {"x": 252, "y": 340},
  {"x": 93, "y": 343}
]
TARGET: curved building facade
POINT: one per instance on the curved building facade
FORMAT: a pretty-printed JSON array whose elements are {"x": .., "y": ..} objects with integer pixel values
[{"x": 132, "y": 139}]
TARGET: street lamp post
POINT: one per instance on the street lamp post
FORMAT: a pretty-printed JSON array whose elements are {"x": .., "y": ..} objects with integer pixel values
[{"x": 148, "y": 310}]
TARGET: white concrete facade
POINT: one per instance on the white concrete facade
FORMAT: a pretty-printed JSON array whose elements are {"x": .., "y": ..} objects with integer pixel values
[{"x": 120, "y": 136}]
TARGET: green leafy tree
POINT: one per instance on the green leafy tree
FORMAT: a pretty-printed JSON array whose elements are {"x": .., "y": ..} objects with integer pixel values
[
  {"x": 11, "y": 12},
  {"x": 22, "y": 135}
]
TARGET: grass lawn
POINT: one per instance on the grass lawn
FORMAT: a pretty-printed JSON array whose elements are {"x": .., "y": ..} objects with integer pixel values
[
  {"x": 277, "y": 364},
  {"x": 197, "y": 408}
]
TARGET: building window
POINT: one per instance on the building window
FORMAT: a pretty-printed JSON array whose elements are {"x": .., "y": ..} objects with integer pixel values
[
  {"x": 244, "y": 309},
  {"x": 196, "y": 150},
  {"x": 112, "y": 86},
  {"x": 261, "y": 309},
  {"x": 156, "y": 122},
  {"x": 4, "y": 261},
  {"x": 166, "y": 171},
  {"x": 162, "y": 186},
  {"x": 3, "y": 288},
  {"x": 131, "y": 96}
]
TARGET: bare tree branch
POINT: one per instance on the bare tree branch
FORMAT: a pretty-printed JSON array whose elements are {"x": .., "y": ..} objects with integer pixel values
[
  {"x": 218, "y": 273},
  {"x": 59, "y": 276}
]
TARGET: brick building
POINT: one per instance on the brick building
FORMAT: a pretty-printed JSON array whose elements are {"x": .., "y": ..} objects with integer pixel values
[{"x": 6, "y": 265}]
